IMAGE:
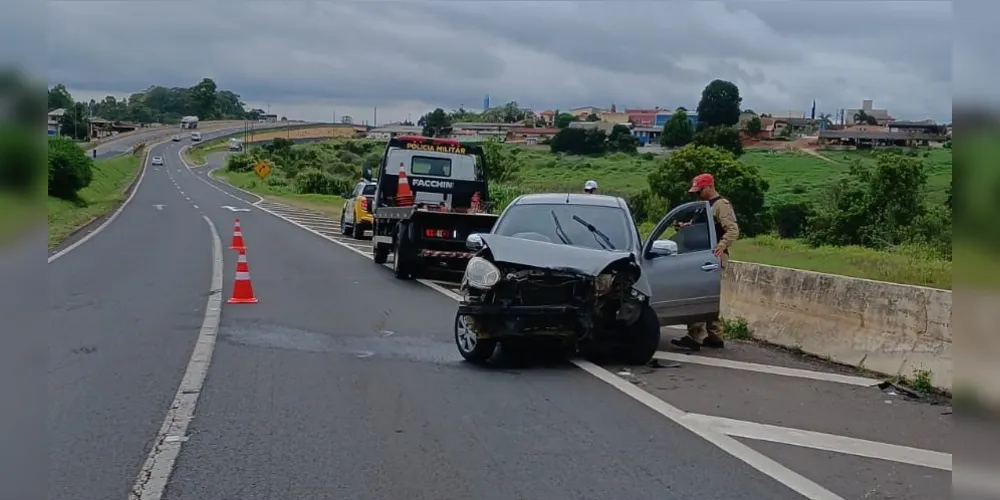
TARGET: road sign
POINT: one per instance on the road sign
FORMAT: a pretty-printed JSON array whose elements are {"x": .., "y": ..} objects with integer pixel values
[{"x": 262, "y": 169}]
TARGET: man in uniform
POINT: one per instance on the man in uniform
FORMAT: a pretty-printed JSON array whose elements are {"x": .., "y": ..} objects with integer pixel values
[
  {"x": 727, "y": 231},
  {"x": 590, "y": 187}
]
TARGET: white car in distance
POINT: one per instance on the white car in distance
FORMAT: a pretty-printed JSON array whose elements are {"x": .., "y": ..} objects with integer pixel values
[{"x": 157, "y": 160}]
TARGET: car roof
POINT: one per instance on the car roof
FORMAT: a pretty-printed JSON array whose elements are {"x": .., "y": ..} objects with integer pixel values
[{"x": 599, "y": 200}]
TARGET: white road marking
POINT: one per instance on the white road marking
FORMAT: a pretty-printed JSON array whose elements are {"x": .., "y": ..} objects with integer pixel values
[
  {"x": 822, "y": 441},
  {"x": 768, "y": 369},
  {"x": 159, "y": 207},
  {"x": 114, "y": 215},
  {"x": 234, "y": 209},
  {"x": 159, "y": 464},
  {"x": 751, "y": 457},
  {"x": 758, "y": 461}
]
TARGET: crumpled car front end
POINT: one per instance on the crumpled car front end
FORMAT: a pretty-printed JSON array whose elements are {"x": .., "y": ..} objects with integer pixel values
[{"x": 521, "y": 288}]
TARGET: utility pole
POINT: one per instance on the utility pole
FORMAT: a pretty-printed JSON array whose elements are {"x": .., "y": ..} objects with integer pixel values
[{"x": 375, "y": 121}]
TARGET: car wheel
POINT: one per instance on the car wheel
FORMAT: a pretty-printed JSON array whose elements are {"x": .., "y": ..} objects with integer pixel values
[
  {"x": 343, "y": 225},
  {"x": 470, "y": 346},
  {"x": 358, "y": 231},
  {"x": 643, "y": 338},
  {"x": 400, "y": 263},
  {"x": 380, "y": 253}
]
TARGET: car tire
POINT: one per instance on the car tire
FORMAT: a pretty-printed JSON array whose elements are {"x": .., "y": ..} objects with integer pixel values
[
  {"x": 643, "y": 338},
  {"x": 380, "y": 253},
  {"x": 343, "y": 225},
  {"x": 400, "y": 264},
  {"x": 472, "y": 348},
  {"x": 358, "y": 231}
]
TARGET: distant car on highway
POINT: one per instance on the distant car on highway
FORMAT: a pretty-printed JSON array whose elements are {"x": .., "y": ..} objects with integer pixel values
[
  {"x": 157, "y": 160},
  {"x": 195, "y": 136},
  {"x": 570, "y": 270},
  {"x": 176, "y": 138}
]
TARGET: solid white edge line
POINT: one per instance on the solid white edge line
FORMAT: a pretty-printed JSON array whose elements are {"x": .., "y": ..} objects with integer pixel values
[
  {"x": 740, "y": 451},
  {"x": 822, "y": 441},
  {"x": 768, "y": 369},
  {"x": 114, "y": 215},
  {"x": 155, "y": 472}
]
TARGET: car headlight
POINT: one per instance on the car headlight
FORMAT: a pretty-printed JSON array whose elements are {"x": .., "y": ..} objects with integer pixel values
[
  {"x": 602, "y": 284},
  {"x": 482, "y": 274}
]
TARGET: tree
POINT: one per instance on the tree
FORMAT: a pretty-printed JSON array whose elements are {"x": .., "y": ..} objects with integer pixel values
[
  {"x": 722, "y": 137},
  {"x": 825, "y": 119},
  {"x": 861, "y": 117},
  {"x": 621, "y": 140},
  {"x": 593, "y": 117},
  {"x": 564, "y": 119},
  {"x": 503, "y": 164},
  {"x": 754, "y": 127},
  {"x": 875, "y": 206},
  {"x": 719, "y": 105},
  {"x": 70, "y": 170},
  {"x": 205, "y": 99},
  {"x": 59, "y": 97},
  {"x": 579, "y": 141},
  {"x": 437, "y": 123},
  {"x": 678, "y": 131},
  {"x": 742, "y": 184},
  {"x": 75, "y": 123}
]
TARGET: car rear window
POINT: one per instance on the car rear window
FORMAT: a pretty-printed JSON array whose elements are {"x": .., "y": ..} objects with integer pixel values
[
  {"x": 369, "y": 189},
  {"x": 436, "y": 167}
]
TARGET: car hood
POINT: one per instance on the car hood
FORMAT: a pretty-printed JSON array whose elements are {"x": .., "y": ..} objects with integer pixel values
[{"x": 544, "y": 255}]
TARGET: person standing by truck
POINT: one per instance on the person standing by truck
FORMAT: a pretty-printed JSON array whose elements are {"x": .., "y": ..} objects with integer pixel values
[{"x": 709, "y": 334}]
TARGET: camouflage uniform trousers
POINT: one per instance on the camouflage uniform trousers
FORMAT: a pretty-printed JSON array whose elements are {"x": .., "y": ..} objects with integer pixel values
[{"x": 710, "y": 329}]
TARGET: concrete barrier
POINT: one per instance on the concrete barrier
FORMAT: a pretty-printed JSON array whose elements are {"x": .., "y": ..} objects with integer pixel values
[{"x": 888, "y": 328}]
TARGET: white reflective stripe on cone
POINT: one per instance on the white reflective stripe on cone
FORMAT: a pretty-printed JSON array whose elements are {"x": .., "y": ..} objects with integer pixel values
[
  {"x": 242, "y": 276},
  {"x": 237, "y": 233},
  {"x": 242, "y": 259}
]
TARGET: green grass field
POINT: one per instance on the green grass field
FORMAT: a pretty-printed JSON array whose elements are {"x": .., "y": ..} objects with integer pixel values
[
  {"x": 792, "y": 176},
  {"x": 105, "y": 192},
  {"x": 325, "y": 204}
]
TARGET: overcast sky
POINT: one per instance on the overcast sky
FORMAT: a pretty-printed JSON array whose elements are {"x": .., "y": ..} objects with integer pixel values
[{"x": 310, "y": 60}]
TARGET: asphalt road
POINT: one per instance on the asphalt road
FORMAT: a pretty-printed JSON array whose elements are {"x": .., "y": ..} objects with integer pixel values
[
  {"x": 120, "y": 146},
  {"x": 344, "y": 383}
]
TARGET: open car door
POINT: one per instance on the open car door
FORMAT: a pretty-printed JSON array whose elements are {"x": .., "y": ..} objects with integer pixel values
[{"x": 685, "y": 277}]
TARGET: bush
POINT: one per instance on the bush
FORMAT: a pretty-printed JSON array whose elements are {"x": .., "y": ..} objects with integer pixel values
[
  {"x": 240, "y": 162},
  {"x": 21, "y": 158},
  {"x": 791, "y": 220},
  {"x": 315, "y": 181},
  {"x": 70, "y": 170},
  {"x": 725, "y": 138},
  {"x": 647, "y": 206}
]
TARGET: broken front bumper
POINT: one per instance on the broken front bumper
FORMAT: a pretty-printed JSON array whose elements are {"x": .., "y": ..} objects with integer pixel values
[{"x": 498, "y": 321}]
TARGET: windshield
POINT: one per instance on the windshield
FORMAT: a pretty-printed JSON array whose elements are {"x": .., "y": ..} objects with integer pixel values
[
  {"x": 558, "y": 223},
  {"x": 368, "y": 190}
]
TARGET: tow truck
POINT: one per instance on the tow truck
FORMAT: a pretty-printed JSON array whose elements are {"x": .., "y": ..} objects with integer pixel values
[{"x": 450, "y": 201}]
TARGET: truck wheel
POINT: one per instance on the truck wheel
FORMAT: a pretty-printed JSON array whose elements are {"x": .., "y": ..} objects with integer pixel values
[
  {"x": 642, "y": 339},
  {"x": 472, "y": 348},
  {"x": 358, "y": 231},
  {"x": 380, "y": 253},
  {"x": 400, "y": 263}
]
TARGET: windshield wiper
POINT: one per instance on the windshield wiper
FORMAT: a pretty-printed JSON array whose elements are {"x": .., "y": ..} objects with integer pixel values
[
  {"x": 604, "y": 241},
  {"x": 559, "y": 229}
]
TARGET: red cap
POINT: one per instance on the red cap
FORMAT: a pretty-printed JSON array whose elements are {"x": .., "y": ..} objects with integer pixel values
[{"x": 700, "y": 182}]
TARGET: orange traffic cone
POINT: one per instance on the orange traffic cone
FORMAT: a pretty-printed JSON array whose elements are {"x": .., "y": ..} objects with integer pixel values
[
  {"x": 404, "y": 195},
  {"x": 237, "y": 243},
  {"x": 242, "y": 287}
]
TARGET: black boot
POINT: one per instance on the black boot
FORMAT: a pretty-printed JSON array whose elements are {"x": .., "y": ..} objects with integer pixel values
[{"x": 686, "y": 342}]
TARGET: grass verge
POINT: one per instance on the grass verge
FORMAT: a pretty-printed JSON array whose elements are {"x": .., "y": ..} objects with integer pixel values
[
  {"x": 105, "y": 192},
  {"x": 327, "y": 205},
  {"x": 197, "y": 155}
]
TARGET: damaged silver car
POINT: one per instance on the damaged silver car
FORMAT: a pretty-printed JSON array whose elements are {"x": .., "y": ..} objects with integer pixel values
[{"x": 568, "y": 271}]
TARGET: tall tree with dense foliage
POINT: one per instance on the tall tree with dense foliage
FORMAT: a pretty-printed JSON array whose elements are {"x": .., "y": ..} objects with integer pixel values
[
  {"x": 59, "y": 97},
  {"x": 677, "y": 131},
  {"x": 719, "y": 105},
  {"x": 742, "y": 184},
  {"x": 722, "y": 137},
  {"x": 437, "y": 123}
]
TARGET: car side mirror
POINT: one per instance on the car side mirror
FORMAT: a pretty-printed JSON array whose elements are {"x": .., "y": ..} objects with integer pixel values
[
  {"x": 366, "y": 172},
  {"x": 474, "y": 242},
  {"x": 664, "y": 248}
]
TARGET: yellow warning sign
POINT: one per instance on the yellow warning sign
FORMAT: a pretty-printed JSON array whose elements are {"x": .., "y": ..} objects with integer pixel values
[{"x": 262, "y": 169}]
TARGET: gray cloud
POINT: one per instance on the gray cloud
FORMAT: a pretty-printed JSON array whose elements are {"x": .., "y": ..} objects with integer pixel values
[{"x": 306, "y": 58}]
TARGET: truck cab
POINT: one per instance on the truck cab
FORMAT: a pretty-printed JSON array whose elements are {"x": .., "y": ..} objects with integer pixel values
[{"x": 450, "y": 201}]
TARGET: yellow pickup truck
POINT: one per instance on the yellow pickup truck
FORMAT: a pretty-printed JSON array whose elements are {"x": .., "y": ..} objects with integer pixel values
[{"x": 357, "y": 216}]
